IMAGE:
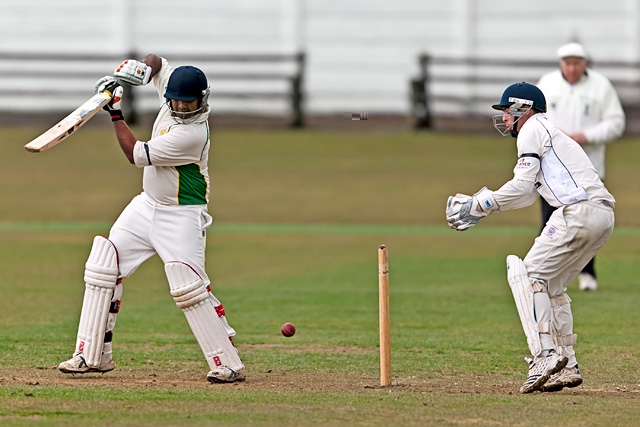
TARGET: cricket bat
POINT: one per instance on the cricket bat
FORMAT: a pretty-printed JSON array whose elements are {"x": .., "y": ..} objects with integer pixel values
[{"x": 69, "y": 124}]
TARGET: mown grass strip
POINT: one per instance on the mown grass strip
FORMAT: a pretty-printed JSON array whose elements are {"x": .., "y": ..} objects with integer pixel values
[{"x": 12, "y": 226}]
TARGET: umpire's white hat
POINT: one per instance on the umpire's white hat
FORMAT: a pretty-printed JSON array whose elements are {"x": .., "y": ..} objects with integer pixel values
[{"x": 572, "y": 49}]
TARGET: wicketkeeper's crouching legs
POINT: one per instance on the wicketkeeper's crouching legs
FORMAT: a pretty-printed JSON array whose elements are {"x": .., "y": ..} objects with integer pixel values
[
  {"x": 564, "y": 339},
  {"x": 540, "y": 326},
  {"x": 100, "y": 306},
  {"x": 207, "y": 322}
]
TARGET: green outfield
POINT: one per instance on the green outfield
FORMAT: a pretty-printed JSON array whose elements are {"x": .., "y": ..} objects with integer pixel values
[{"x": 298, "y": 218}]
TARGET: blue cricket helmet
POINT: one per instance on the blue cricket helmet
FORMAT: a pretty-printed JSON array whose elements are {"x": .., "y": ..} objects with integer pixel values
[
  {"x": 186, "y": 83},
  {"x": 522, "y": 93}
]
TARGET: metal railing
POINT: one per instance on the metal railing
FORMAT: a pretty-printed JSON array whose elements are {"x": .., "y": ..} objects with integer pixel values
[
  {"x": 472, "y": 84},
  {"x": 64, "y": 70}
]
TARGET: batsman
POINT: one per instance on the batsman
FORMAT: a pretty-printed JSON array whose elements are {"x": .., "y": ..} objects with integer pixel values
[
  {"x": 169, "y": 218},
  {"x": 553, "y": 166}
]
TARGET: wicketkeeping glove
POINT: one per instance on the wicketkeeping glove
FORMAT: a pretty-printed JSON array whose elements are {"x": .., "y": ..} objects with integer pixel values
[
  {"x": 133, "y": 72},
  {"x": 455, "y": 205},
  {"x": 110, "y": 86},
  {"x": 464, "y": 212}
]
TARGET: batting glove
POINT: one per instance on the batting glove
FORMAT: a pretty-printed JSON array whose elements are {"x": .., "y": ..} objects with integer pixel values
[
  {"x": 110, "y": 86},
  {"x": 134, "y": 72}
]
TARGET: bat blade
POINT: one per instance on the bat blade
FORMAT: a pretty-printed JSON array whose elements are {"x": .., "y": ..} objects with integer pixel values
[{"x": 69, "y": 124}]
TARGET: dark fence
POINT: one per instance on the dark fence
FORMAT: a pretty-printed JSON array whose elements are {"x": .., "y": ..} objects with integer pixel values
[
  {"x": 64, "y": 71},
  {"x": 445, "y": 85}
]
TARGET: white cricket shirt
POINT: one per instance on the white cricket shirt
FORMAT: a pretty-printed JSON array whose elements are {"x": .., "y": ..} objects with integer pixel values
[
  {"x": 552, "y": 165},
  {"x": 590, "y": 106},
  {"x": 175, "y": 158}
]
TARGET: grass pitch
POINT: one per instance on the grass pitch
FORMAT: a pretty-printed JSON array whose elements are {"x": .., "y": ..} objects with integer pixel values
[{"x": 298, "y": 220}]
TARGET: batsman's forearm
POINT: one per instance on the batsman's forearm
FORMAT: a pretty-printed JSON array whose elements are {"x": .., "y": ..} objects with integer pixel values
[
  {"x": 153, "y": 61},
  {"x": 126, "y": 139}
]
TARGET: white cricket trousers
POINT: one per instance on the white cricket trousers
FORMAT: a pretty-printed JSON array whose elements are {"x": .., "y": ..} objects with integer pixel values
[
  {"x": 175, "y": 233},
  {"x": 572, "y": 236}
]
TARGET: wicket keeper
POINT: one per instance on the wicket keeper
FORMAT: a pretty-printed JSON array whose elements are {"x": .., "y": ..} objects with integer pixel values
[{"x": 552, "y": 165}]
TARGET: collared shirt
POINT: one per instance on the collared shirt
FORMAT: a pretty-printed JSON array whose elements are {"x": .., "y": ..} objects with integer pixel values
[
  {"x": 175, "y": 158},
  {"x": 552, "y": 165}
]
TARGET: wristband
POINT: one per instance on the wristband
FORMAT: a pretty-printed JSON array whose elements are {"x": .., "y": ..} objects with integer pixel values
[{"x": 116, "y": 115}]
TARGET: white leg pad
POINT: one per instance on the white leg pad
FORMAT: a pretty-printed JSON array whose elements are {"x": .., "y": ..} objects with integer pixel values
[
  {"x": 562, "y": 331},
  {"x": 526, "y": 300},
  {"x": 101, "y": 277},
  {"x": 221, "y": 314},
  {"x": 191, "y": 295}
]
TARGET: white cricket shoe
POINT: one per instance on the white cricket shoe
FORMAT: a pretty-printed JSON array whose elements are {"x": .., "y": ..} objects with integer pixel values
[
  {"x": 78, "y": 365},
  {"x": 568, "y": 377},
  {"x": 224, "y": 374},
  {"x": 541, "y": 369},
  {"x": 587, "y": 282}
]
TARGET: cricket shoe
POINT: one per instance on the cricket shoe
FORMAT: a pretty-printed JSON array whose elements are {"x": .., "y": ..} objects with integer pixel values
[
  {"x": 568, "y": 377},
  {"x": 224, "y": 374},
  {"x": 78, "y": 365},
  {"x": 587, "y": 282},
  {"x": 541, "y": 369}
]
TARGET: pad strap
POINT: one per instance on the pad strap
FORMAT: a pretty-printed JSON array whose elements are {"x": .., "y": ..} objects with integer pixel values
[
  {"x": 538, "y": 286},
  {"x": 565, "y": 340},
  {"x": 560, "y": 300},
  {"x": 544, "y": 327}
]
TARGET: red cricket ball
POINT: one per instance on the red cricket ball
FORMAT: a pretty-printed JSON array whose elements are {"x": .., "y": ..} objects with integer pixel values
[{"x": 288, "y": 329}]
